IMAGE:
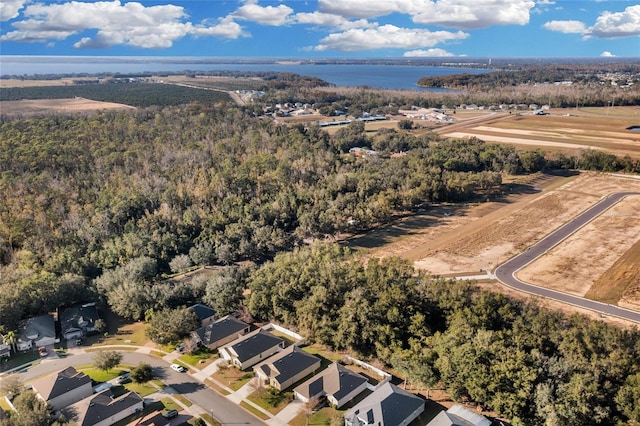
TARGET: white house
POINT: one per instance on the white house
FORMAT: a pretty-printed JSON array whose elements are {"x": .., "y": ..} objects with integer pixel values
[
  {"x": 287, "y": 367},
  {"x": 336, "y": 383},
  {"x": 388, "y": 405},
  {"x": 251, "y": 348},
  {"x": 104, "y": 408}
]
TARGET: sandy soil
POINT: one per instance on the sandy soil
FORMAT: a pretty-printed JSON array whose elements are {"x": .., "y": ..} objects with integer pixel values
[
  {"x": 477, "y": 237},
  {"x": 47, "y": 106}
]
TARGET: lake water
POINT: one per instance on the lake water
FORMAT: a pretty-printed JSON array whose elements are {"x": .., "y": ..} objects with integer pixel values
[{"x": 375, "y": 76}]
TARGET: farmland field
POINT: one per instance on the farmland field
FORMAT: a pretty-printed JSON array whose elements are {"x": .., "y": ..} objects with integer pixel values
[{"x": 563, "y": 130}]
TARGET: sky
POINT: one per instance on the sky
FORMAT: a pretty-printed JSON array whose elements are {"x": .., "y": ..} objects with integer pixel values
[{"x": 321, "y": 28}]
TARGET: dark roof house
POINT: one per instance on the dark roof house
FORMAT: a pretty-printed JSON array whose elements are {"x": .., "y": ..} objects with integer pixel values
[
  {"x": 38, "y": 331},
  {"x": 63, "y": 388},
  {"x": 251, "y": 348},
  {"x": 336, "y": 382},
  {"x": 220, "y": 332},
  {"x": 104, "y": 408},
  {"x": 287, "y": 367},
  {"x": 205, "y": 314},
  {"x": 388, "y": 405},
  {"x": 78, "y": 320}
]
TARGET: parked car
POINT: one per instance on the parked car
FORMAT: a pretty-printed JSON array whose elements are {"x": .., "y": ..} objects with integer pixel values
[
  {"x": 171, "y": 414},
  {"x": 178, "y": 368},
  {"x": 180, "y": 347},
  {"x": 78, "y": 342},
  {"x": 43, "y": 351},
  {"x": 125, "y": 378}
]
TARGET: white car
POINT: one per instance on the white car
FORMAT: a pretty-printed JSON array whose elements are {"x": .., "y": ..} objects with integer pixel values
[{"x": 178, "y": 368}]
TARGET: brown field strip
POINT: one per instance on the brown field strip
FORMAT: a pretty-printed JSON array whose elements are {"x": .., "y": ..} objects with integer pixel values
[{"x": 622, "y": 279}]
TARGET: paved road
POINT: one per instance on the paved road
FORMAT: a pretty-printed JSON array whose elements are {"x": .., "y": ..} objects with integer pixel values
[
  {"x": 506, "y": 272},
  {"x": 224, "y": 410}
]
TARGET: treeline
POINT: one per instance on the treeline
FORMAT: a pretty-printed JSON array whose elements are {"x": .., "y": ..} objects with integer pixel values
[
  {"x": 134, "y": 94},
  {"x": 530, "y": 75},
  {"x": 530, "y": 365},
  {"x": 202, "y": 185}
]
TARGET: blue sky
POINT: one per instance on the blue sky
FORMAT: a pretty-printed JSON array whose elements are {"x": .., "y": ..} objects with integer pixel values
[{"x": 321, "y": 28}]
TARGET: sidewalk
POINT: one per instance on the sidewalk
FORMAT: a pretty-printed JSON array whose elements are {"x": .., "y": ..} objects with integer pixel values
[{"x": 202, "y": 375}]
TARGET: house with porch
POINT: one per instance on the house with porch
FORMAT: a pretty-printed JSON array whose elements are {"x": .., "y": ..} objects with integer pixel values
[
  {"x": 287, "y": 367},
  {"x": 251, "y": 348}
]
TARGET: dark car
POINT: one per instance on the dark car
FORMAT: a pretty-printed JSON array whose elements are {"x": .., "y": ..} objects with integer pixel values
[
  {"x": 123, "y": 380},
  {"x": 171, "y": 414}
]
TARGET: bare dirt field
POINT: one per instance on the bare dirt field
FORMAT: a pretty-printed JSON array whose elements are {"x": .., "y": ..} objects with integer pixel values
[
  {"x": 28, "y": 107},
  {"x": 464, "y": 240},
  {"x": 565, "y": 130}
]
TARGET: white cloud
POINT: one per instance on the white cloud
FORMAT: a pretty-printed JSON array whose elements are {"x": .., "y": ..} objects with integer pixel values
[
  {"x": 608, "y": 25},
  {"x": 607, "y": 54},
  {"x": 10, "y": 9},
  {"x": 464, "y": 14},
  {"x": 368, "y": 8},
  {"x": 329, "y": 20},
  {"x": 429, "y": 53},
  {"x": 115, "y": 23},
  {"x": 473, "y": 14},
  {"x": 620, "y": 24},
  {"x": 567, "y": 27},
  {"x": 385, "y": 37},
  {"x": 268, "y": 15}
]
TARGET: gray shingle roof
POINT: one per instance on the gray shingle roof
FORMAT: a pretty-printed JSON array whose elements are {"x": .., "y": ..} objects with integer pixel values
[
  {"x": 78, "y": 317},
  {"x": 54, "y": 385},
  {"x": 255, "y": 343},
  {"x": 202, "y": 311},
  {"x": 99, "y": 407},
  {"x": 335, "y": 380},
  {"x": 286, "y": 364},
  {"x": 388, "y": 406},
  {"x": 224, "y": 327}
]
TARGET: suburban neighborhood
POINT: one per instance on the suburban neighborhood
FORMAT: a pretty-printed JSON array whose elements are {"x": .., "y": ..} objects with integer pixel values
[{"x": 269, "y": 360}]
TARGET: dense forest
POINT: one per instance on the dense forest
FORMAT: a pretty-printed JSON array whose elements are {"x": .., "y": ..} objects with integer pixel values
[
  {"x": 530, "y": 365},
  {"x": 135, "y": 94},
  {"x": 107, "y": 205}
]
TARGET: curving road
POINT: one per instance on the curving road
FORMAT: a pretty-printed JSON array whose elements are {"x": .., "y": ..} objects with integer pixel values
[{"x": 505, "y": 273}]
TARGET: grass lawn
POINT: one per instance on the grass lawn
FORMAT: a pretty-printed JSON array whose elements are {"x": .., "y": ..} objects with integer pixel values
[
  {"x": 157, "y": 353},
  {"x": 101, "y": 375},
  {"x": 215, "y": 387},
  {"x": 254, "y": 410},
  {"x": 272, "y": 402},
  {"x": 322, "y": 352},
  {"x": 142, "y": 389},
  {"x": 184, "y": 400},
  {"x": 18, "y": 359},
  {"x": 325, "y": 416},
  {"x": 169, "y": 404},
  {"x": 200, "y": 358},
  {"x": 210, "y": 420},
  {"x": 159, "y": 383},
  {"x": 233, "y": 377}
]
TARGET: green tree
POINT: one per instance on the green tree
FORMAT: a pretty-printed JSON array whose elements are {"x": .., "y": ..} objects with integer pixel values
[
  {"x": 172, "y": 325},
  {"x": 142, "y": 373},
  {"x": 30, "y": 410},
  {"x": 628, "y": 398},
  {"x": 106, "y": 360}
]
